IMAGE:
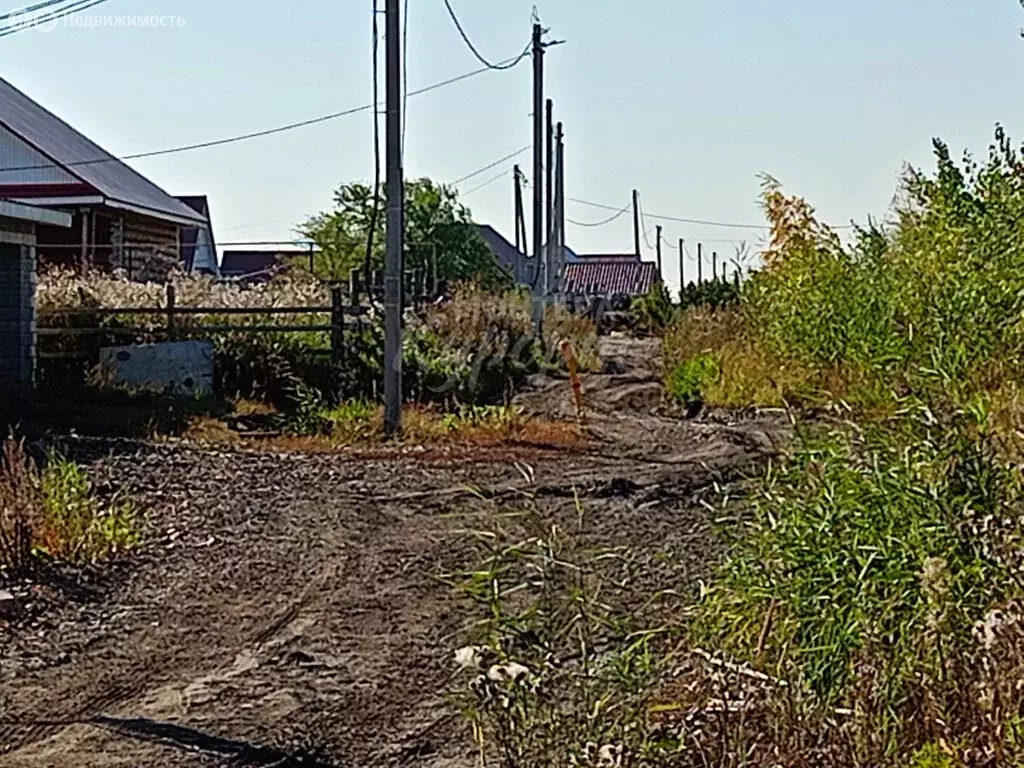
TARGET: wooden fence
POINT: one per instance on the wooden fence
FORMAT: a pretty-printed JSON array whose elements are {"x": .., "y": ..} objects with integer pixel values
[{"x": 87, "y": 322}]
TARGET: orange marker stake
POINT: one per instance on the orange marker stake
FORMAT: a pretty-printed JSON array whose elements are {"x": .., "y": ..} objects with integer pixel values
[{"x": 574, "y": 376}]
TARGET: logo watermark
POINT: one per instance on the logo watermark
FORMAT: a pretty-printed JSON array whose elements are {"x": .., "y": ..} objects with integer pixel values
[{"x": 101, "y": 21}]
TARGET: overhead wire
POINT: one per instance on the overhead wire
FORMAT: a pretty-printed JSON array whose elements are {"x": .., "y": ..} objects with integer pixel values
[
  {"x": 489, "y": 166},
  {"x": 31, "y": 9},
  {"x": 603, "y": 222},
  {"x": 473, "y": 48},
  {"x": 405, "y": 74},
  {"x": 375, "y": 211},
  {"x": 246, "y": 136},
  {"x": 478, "y": 187},
  {"x": 682, "y": 220},
  {"x": 69, "y": 10}
]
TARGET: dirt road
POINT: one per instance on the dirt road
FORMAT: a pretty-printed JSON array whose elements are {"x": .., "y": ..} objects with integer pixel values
[{"x": 285, "y": 609}]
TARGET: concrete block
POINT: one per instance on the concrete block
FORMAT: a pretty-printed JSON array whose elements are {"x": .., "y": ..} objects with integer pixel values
[{"x": 179, "y": 367}]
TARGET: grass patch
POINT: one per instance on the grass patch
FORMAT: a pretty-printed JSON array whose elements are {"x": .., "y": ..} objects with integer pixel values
[{"x": 55, "y": 512}]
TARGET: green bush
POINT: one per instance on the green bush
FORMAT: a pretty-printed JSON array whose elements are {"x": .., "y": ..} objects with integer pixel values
[{"x": 688, "y": 381}]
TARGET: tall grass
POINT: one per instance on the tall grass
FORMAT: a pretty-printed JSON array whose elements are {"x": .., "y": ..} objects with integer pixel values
[{"x": 876, "y": 576}]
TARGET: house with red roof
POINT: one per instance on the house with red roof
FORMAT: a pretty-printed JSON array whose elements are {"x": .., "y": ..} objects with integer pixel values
[{"x": 609, "y": 274}]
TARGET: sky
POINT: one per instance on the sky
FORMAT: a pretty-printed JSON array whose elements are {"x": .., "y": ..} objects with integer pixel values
[{"x": 688, "y": 101}]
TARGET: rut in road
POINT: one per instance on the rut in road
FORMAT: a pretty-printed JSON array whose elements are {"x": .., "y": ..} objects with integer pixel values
[{"x": 288, "y": 605}]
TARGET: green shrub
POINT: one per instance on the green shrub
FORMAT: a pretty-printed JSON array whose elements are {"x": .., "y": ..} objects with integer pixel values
[
  {"x": 654, "y": 311},
  {"x": 688, "y": 381}
]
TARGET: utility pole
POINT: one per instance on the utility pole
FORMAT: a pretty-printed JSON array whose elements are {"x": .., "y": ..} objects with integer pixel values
[
  {"x": 395, "y": 187},
  {"x": 559, "y": 207},
  {"x": 658, "y": 249},
  {"x": 682, "y": 265},
  {"x": 714, "y": 266},
  {"x": 549, "y": 194},
  {"x": 538, "y": 164},
  {"x": 700, "y": 263},
  {"x": 636, "y": 223}
]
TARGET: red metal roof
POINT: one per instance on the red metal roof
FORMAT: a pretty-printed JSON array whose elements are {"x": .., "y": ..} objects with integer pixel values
[{"x": 610, "y": 276}]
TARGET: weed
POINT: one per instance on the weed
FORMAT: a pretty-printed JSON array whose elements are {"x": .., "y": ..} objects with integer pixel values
[
  {"x": 557, "y": 675},
  {"x": 75, "y": 525},
  {"x": 689, "y": 381},
  {"x": 19, "y": 506},
  {"x": 56, "y": 512}
]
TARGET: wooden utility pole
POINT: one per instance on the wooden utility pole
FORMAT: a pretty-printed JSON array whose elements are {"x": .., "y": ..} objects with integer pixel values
[
  {"x": 538, "y": 159},
  {"x": 714, "y": 266},
  {"x": 658, "y": 250},
  {"x": 549, "y": 193},
  {"x": 682, "y": 265},
  {"x": 700, "y": 263},
  {"x": 394, "y": 267},
  {"x": 636, "y": 223},
  {"x": 559, "y": 207}
]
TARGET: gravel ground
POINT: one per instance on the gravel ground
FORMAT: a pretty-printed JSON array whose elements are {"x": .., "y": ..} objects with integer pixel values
[{"x": 285, "y": 609}]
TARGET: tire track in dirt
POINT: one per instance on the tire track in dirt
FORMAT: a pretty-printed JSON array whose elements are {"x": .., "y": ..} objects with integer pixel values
[{"x": 288, "y": 602}]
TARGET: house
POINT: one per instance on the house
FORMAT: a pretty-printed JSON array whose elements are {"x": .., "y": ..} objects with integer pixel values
[
  {"x": 197, "y": 245},
  {"x": 609, "y": 275},
  {"x": 18, "y": 226},
  {"x": 120, "y": 219},
  {"x": 513, "y": 262}
]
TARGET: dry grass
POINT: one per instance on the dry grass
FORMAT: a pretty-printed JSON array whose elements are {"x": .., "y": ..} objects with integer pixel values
[
  {"x": 62, "y": 289},
  {"x": 19, "y": 506},
  {"x": 361, "y": 426},
  {"x": 748, "y": 376}
]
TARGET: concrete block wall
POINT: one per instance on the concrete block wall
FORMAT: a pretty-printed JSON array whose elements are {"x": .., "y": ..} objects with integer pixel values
[{"x": 17, "y": 314}]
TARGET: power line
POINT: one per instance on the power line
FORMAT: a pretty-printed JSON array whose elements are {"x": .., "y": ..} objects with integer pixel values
[
  {"x": 375, "y": 211},
  {"x": 69, "y": 10},
  {"x": 672, "y": 218},
  {"x": 247, "y": 136},
  {"x": 472, "y": 48},
  {"x": 489, "y": 166},
  {"x": 682, "y": 220},
  {"x": 405, "y": 73},
  {"x": 502, "y": 175},
  {"x": 601, "y": 223},
  {"x": 31, "y": 9}
]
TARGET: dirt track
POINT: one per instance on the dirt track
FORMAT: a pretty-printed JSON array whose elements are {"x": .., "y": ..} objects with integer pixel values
[{"x": 285, "y": 610}]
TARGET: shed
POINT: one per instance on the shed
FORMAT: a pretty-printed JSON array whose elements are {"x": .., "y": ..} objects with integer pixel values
[{"x": 18, "y": 223}]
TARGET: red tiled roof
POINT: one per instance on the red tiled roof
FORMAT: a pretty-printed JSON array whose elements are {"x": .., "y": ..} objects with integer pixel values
[{"x": 610, "y": 276}]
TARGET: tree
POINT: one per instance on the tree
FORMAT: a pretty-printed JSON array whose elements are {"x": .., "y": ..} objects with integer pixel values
[{"x": 437, "y": 227}]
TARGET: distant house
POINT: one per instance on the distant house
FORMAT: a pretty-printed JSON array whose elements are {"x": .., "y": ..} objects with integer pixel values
[
  {"x": 609, "y": 275},
  {"x": 258, "y": 266},
  {"x": 513, "y": 262},
  {"x": 18, "y": 226},
  {"x": 197, "y": 245},
  {"x": 120, "y": 219}
]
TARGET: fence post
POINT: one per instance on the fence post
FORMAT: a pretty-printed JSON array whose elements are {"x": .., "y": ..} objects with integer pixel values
[
  {"x": 171, "y": 303},
  {"x": 337, "y": 325}
]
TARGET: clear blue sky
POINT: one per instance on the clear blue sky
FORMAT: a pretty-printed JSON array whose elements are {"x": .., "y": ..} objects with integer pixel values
[{"x": 687, "y": 100}]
